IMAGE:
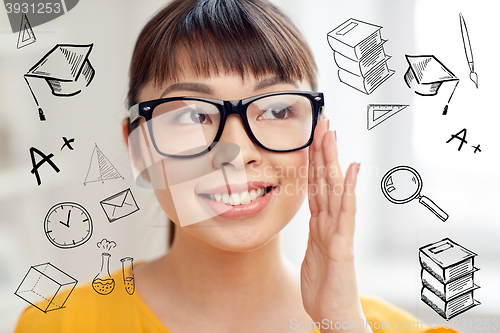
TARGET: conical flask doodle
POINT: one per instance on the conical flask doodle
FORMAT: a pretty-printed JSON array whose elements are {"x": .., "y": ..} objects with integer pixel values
[
  {"x": 103, "y": 283},
  {"x": 128, "y": 274}
]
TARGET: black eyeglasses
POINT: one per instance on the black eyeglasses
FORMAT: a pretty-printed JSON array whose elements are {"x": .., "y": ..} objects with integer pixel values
[{"x": 183, "y": 127}]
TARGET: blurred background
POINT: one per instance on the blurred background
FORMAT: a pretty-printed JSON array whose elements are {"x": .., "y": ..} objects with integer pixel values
[{"x": 388, "y": 236}]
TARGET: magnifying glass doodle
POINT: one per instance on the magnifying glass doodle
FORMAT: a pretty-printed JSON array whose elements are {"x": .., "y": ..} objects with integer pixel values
[{"x": 402, "y": 184}]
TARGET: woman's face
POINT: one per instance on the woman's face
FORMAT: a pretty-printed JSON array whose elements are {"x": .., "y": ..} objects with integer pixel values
[{"x": 231, "y": 227}]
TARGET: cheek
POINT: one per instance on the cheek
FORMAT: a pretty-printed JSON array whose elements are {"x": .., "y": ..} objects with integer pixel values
[
  {"x": 291, "y": 170},
  {"x": 166, "y": 202}
]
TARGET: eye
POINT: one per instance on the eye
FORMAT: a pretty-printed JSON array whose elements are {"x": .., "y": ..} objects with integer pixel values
[
  {"x": 194, "y": 116},
  {"x": 277, "y": 111}
]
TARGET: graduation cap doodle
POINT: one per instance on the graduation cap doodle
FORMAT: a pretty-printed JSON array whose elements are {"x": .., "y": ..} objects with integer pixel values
[
  {"x": 66, "y": 69},
  {"x": 426, "y": 74}
]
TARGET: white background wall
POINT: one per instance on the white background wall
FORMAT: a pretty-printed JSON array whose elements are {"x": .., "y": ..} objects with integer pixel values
[{"x": 388, "y": 236}]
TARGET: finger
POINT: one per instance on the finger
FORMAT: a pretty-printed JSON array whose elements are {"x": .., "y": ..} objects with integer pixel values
[
  {"x": 319, "y": 190},
  {"x": 313, "y": 205},
  {"x": 348, "y": 208},
  {"x": 335, "y": 178}
]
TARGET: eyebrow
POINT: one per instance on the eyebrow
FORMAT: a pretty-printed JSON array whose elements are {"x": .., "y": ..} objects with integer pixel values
[
  {"x": 196, "y": 87},
  {"x": 205, "y": 89},
  {"x": 271, "y": 81}
]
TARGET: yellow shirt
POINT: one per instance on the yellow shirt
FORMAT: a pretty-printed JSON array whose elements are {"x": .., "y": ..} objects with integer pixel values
[{"x": 87, "y": 311}]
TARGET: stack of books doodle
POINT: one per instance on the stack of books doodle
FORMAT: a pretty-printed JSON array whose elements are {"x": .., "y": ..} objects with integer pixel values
[
  {"x": 359, "y": 53},
  {"x": 448, "y": 278}
]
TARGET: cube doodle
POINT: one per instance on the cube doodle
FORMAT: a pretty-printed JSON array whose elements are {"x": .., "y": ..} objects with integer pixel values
[{"x": 42, "y": 286}]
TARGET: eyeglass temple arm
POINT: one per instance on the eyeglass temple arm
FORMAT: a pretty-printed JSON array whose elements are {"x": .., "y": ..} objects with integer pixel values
[{"x": 133, "y": 113}]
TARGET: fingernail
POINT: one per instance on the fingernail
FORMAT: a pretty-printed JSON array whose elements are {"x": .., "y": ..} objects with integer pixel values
[
  {"x": 359, "y": 166},
  {"x": 335, "y": 133},
  {"x": 328, "y": 124}
]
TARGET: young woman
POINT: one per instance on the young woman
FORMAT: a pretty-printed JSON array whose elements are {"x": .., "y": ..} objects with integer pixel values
[{"x": 230, "y": 84}]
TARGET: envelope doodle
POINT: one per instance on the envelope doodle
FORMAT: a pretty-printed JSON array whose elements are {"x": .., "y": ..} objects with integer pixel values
[{"x": 119, "y": 205}]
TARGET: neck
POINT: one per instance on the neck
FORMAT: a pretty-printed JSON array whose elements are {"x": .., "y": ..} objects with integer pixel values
[
  {"x": 225, "y": 272},
  {"x": 235, "y": 284}
]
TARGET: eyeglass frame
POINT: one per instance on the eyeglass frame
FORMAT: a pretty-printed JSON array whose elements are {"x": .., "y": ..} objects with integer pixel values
[{"x": 227, "y": 108}]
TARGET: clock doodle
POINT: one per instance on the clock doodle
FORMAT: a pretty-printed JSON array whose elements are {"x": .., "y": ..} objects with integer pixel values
[{"x": 68, "y": 225}]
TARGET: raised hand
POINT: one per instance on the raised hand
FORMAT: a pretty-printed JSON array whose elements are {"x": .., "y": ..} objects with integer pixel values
[{"x": 328, "y": 281}]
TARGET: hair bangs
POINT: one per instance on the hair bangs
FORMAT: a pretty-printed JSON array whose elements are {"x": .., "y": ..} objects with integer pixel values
[{"x": 212, "y": 37}]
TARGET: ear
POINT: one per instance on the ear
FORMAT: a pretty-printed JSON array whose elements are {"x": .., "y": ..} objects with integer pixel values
[
  {"x": 133, "y": 153},
  {"x": 125, "y": 126}
]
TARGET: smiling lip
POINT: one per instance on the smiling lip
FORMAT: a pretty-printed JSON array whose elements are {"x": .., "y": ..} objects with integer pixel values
[{"x": 237, "y": 211}]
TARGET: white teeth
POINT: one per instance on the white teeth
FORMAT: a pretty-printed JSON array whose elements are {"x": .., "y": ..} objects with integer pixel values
[
  {"x": 235, "y": 199},
  {"x": 253, "y": 195},
  {"x": 245, "y": 198}
]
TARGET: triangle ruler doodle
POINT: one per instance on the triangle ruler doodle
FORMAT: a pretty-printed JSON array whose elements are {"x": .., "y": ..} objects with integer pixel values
[
  {"x": 26, "y": 35},
  {"x": 100, "y": 168},
  {"x": 378, "y": 113}
]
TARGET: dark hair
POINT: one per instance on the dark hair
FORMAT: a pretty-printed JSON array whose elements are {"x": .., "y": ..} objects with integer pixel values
[{"x": 217, "y": 36}]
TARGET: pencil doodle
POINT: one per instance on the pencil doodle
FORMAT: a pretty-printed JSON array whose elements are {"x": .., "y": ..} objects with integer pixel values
[
  {"x": 128, "y": 274},
  {"x": 66, "y": 69},
  {"x": 42, "y": 287},
  {"x": 119, "y": 205},
  {"x": 426, "y": 74},
  {"x": 67, "y": 143},
  {"x": 468, "y": 50},
  {"x": 378, "y": 113},
  {"x": 403, "y": 184},
  {"x": 447, "y": 274},
  {"x": 68, "y": 225},
  {"x": 359, "y": 53},
  {"x": 100, "y": 168},
  {"x": 45, "y": 159},
  {"x": 26, "y": 35},
  {"x": 103, "y": 283}
]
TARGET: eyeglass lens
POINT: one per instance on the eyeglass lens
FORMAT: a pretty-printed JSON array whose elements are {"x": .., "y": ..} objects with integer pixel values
[{"x": 187, "y": 127}]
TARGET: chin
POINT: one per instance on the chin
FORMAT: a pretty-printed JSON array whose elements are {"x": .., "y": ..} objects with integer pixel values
[{"x": 237, "y": 235}]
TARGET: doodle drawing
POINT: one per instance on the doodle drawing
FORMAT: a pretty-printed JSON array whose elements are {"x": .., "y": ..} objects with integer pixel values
[
  {"x": 36, "y": 166},
  {"x": 468, "y": 50},
  {"x": 42, "y": 286},
  {"x": 128, "y": 274},
  {"x": 66, "y": 69},
  {"x": 103, "y": 283},
  {"x": 448, "y": 278},
  {"x": 100, "y": 168},
  {"x": 67, "y": 143},
  {"x": 426, "y": 74},
  {"x": 26, "y": 35},
  {"x": 378, "y": 113},
  {"x": 459, "y": 138},
  {"x": 359, "y": 53},
  {"x": 68, "y": 225},
  {"x": 119, "y": 205},
  {"x": 42, "y": 11},
  {"x": 402, "y": 184}
]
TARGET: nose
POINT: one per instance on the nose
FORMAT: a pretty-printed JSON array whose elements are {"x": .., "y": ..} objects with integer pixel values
[{"x": 234, "y": 139}]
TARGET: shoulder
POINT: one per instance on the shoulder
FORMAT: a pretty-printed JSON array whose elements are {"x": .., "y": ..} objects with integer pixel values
[
  {"x": 378, "y": 309},
  {"x": 84, "y": 311},
  {"x": 381, "y": 316}
]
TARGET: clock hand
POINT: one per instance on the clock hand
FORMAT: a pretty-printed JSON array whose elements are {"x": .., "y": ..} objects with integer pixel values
[{"x": 67, "y": 223}]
